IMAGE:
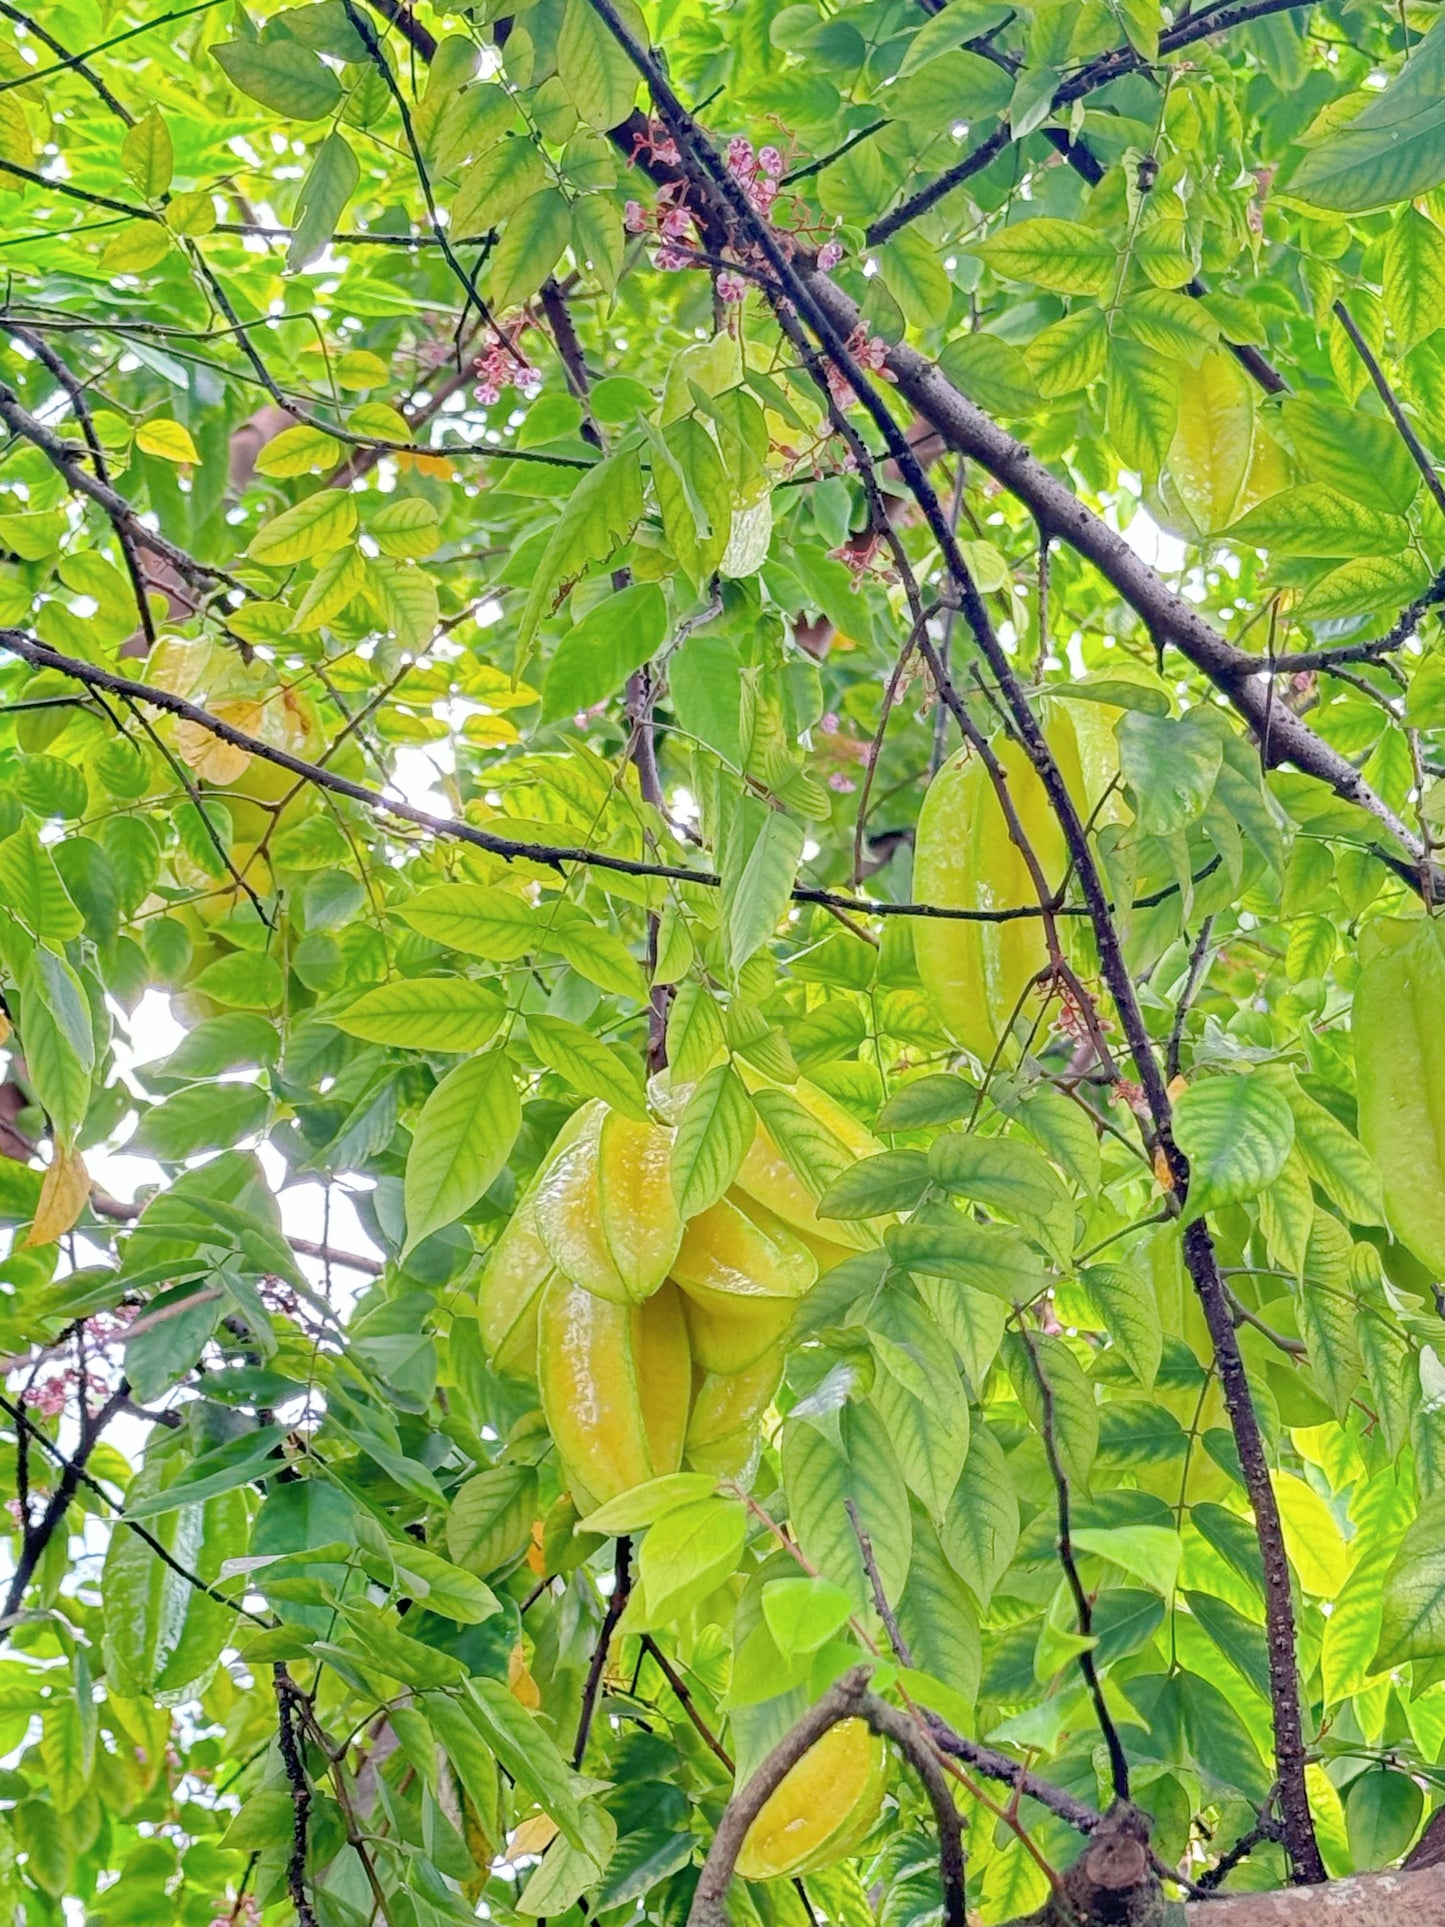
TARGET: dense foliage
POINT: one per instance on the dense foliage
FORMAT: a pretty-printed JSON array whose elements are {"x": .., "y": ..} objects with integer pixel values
[{"x": 576, "y": 595}]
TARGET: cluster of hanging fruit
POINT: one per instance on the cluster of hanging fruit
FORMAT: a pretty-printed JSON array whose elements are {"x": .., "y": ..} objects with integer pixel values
[{"x": 657, "y": 1342}]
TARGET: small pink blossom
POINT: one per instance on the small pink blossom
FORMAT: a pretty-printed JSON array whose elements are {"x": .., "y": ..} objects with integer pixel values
[
  {"x": 677, "y": 223},
  {"x": 740, "y": 154},
  {"x": 829, "y": 724},
  {"x": 49, "y": 1397},
  {"x": 634, "y": 217},
  {"x": 844, "y": 785},
  {"x": 16, "y": 1511},
  {"x": 731, "y": 287},
  {"x": 770, "y": 161},
  {"x": 672, "y": 259},
  {"x": 829, "y": 255}
]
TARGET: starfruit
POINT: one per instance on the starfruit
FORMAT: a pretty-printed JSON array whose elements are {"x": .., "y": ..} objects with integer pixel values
[
  {"x": 615, "y": 1382},
  {"x": 605, "y": 1209},
  {"x": 724, "y": 1432},
  {"x": 823, "y": 1808},
  {"x": 976, "y": 973},
  {"x": 518, "y": 1266},
  {"x": 740, "y": 1281},
  {"x": 766, "y": 1175},
  {"x": 1400, "y": 1071}
]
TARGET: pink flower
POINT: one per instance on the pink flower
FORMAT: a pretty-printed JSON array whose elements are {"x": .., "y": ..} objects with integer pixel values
[
  {"x": 844, "y": 785},
  {"x": 829, "y": 724},
  {"x": 677, "y": 223},
  {"x": 770, "y": 161},
  {"x": 486, "y": 394},
  {"x": 634, "y": 217},
  {"x": 672, "y": 259},
  {"x": 829, "y": 255},
  {"x": 740, "y": 154},
  {"x": 731, "y": 287},
  {"x": 49, "y": 1398}
]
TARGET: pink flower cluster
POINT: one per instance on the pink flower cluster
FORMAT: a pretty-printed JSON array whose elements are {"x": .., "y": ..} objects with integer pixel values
[
  {"x": 871, "y": 353},
  {"x": 500, "y": 366},
  {"x": 758, "y": 171}
]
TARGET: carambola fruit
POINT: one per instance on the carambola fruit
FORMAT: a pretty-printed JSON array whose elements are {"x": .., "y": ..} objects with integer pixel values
[
  {"x": 724, "y": 1431},
  {"x": 605, "y": 1208},
  {"x": 975, "y": 973},
  {"x": 822, "y": 1809},
  {"x": 615, "y": 1382},
  {"x": 740, "y": 1282}
]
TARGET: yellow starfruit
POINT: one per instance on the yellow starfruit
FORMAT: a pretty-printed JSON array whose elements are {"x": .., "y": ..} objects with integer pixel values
[
  {"x": 822, "y": 1809},
  {"x": 976, "y": 973},
  {"x": 741, "y": 1282},
  {"x": 615, "y": 1381},
  {"x": 724, "y": 1432},
  {"x": 605, "y": 1209}
]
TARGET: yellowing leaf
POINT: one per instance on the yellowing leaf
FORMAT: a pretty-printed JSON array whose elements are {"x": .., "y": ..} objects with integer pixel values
[
  {"x": 1312, "y": 1539},
  {"x": 1210, "y": 455},
  {"x": 212, "y": 758},
  {"x": 169, "y": 440},
  {"x": 313, "y": 527},
  {"x": 62, "y": 1196}
]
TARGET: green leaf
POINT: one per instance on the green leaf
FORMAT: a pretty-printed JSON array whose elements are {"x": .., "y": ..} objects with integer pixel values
[
  {"x": 283, "y": 75},
  {"x": 987, "y": 1257},
  {"x": 600, "y": 652},
  {"x": 327, "y": 188},
  {"x": 1414, "y": 276},
  {"x": 1150, "y": 1553},
  {"x": 532, "y": 241},
  {"x": 716, "y": 1128},
  {"x": 1050, "y": 1384},
  {"x": 489, "y": 1523},
  {"x": 206, "y": 1117},
  {"x": 938, "y": 1617},
  {"x": 1382, "y": 1812},
  {"x": 1315, "y": 519},
  {"x": 592, "y": 1068},
  {"x": 915, "y": 276},
  {"x": 1010, "y": 1177},
  {"x": 462, "y": 1139},
  {"x": 1412, "y": 1622},
  {"x": 596, "y": 953},
  {"x": 314, "y": 527},
  {"x": 1141, "y": 406},
  {"x": 55, "y": 1028},
  {"x": 1236, "y": 1132},
  {"x": 1171, "y": 767},
  {"x": 1129, "y": 1310},
  {"x": 981, "y": 1528},
  {"x": 1392, "y": 151},
  {"x": 476, "y": 918},
  {"x": 688, "y": 1553},
  {"x": 757, "y": 898},
  {"x": 31, "y": 889},
  {"x": 1054, "y": 254},
  {"x": 598, "y": 517},
  {"x": 801, "y": 1614},
  {"x": 693, "y": 494},
  {"x": 876, "y": 1186},
  {"x": 821, "y": 1475},
  {"x": 424, "y": 1014},
  {"x": 645, "y": 1504},
  {"x": 147, "y": 155},
  {"x": 596, "y": 74},
  {"x": 496, "y": 184}
]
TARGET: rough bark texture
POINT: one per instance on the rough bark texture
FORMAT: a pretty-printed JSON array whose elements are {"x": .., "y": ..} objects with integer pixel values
[{"x": 1367, "y": 1900}]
